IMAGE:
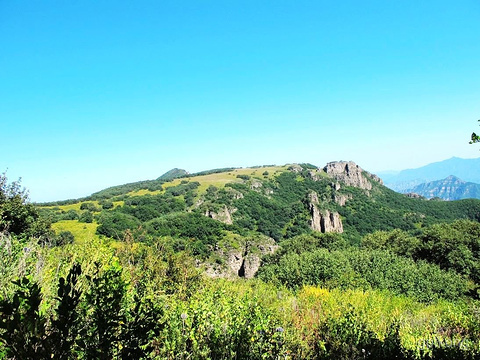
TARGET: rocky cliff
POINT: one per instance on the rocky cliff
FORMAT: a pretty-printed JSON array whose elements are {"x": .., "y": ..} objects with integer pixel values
[
  {"x": 241, "y": 257},
  {"x": 325, "y": 220},
  {"x": 351, "y": 174}
]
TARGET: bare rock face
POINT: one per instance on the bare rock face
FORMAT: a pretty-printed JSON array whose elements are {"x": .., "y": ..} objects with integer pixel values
[
  {"x": 324, "y": 221},
  {"x": 331, "y": 222},
  {"x": 414, "y": 195},
  {"x": 295, "y": 168},
  {"x": 351, "y": 174},
  {"x": 224, "y": 215},
  {"x": 341, "y": 199},
  {"x": 255, "y": 184},
  {"x": 243, "y": 260},
  {"x": 314, "y": 175}
]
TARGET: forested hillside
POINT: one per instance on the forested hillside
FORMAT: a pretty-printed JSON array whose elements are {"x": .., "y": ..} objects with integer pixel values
[{"x": 271, "y": 262}]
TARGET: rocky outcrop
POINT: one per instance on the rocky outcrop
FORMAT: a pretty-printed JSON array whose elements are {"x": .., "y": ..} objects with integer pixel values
[
  {"x": 413, "y": 195},
  {"x": 351, "y": 174},
  {"x": 224, "y": 215},
  {"x": 255, "y": 184},
  {"x": 295, "y": 168},
  {"x": 341, "y": 199},
  {"x": 243, "y": 260},
  {"x": 331, "y": 222},
  {"x": 314, "y": 175},
  {"x": 323, "y": 221}
]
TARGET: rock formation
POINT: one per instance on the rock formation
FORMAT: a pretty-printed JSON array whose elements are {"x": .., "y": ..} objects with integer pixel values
[
  {"x": 351, "y": 174},
  {"x": 331, "y": 222},
  {"x": 323, "y": 221},
  {"x": 243, "y": 260},
  {"x": 295, "y": 168},
  {"x": 341, "y": 199},
  {"x": 414, "y": 195},
  {"x": 224, "y": 215}
]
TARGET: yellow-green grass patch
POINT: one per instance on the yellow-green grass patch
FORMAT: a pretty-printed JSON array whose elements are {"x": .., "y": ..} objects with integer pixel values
[
  {"x": 118, "y": 203},
  {"x": 219, "y": 180},
  {"x": 75, "y": 206},
  {"x": 81, "y": 231},
  {"x": 142, "y": 192}
]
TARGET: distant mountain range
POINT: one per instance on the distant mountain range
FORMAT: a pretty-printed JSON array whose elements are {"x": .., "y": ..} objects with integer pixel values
[
  {"x": 450, "y": 188},
  {"x": 451, "y": 179}
]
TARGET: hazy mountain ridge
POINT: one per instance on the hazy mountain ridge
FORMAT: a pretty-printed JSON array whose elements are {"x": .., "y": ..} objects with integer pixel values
[
  {"x": 415, "y": 180},
  {"x": 450, "y": 188}
]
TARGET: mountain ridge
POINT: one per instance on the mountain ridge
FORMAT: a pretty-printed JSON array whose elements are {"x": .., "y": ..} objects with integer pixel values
[
  {"x": 450, "y": 188},
  {"x": 405, "y": 180}
]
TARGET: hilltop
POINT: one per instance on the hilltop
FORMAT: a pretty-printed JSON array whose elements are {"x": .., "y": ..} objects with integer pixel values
[{"x": 211, "y": 212}]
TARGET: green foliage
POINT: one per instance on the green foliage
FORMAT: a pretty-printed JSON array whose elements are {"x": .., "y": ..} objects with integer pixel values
[
  {"x": 453, "y": 246},
  {"x": 63, "y": 238},
  {"x": 109, "y": 193},
  {"x": 69, "y": 215},
  {"x": 365, "y": 269},
  {"x": 200, "y": 231},
  {"x": 86, "y": 217},
  {"x": 146, "y": 208},
  {"x": 103, "y": 311},
  {"x": 397, "y": 241},
  {"x": 386, "y": 210},
  {"x": 244, "y": 177},
  {"x": 65, "y": 324},
  {"x": 474, "y": 138},
  {"x": 22, "y": 324},
  {"x": 182, "y": 188},
  {"x": 213, "y": 171},
  {"x": 106, "y": 204},
  {"x": 89, "y": 206},
  {"x": 114, "y": 224},
  {"x": 17, "y": 216},
  {"x": 143, "y": 323}
]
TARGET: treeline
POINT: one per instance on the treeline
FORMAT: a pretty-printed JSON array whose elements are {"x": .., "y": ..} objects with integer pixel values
[{"x": 442, "y": 261}]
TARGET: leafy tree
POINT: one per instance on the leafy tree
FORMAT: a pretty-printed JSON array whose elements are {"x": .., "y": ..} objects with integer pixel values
[
  {"x": 86, "y": 217},
  {"x": 106, "y": 204},
  {"x": 89, "y": 206},
  {"x": 70, "y": 215},
  {"x": 103, "y": 313},
  {"x": 474, "y": 138},
  {"x": 22, "y": 324},
  {"x": 113, "y": 224},
  {"x": 17, "y": 215},
  {"x": 63, "y": 238},
  {"x": 65, "y": 324}
]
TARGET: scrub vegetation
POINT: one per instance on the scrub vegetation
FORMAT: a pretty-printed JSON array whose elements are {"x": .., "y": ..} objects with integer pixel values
[{"x": 121, "y": 274}]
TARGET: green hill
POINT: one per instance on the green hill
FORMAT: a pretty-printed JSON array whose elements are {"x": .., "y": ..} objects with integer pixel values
[{"x": 339, "y": 267}]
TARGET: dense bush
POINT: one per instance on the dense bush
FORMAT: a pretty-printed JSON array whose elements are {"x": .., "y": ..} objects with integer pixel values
[
  {"x": 114, "y": 224},
  {"x": 89, "y": 206},
  {"x": 454, "y": 246},
  {"x": 146, "y": 208},
  {"x": 17, "y": 215},
  {"x": 200, "y": 231},
  {"x": 365, "y": 269}
]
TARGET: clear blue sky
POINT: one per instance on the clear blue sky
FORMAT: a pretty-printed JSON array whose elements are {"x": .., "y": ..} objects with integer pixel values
[{"x": 100, "y": 93}]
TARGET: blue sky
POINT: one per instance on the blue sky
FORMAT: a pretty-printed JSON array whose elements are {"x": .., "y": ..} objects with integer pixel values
[{"x": 100, "y": 93}]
